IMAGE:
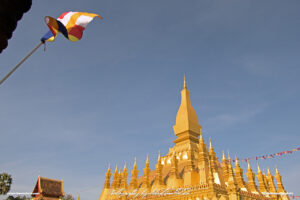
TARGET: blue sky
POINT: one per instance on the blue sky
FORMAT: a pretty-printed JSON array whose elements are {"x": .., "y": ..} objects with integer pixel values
[{"x": 71, "y": 110}]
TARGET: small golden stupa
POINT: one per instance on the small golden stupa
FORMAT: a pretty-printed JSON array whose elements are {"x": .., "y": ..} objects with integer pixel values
[{"x": 191, "y": 171}]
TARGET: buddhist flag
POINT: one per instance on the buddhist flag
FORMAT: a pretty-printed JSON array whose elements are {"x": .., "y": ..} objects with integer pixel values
[{"x": 70, "y": 24}]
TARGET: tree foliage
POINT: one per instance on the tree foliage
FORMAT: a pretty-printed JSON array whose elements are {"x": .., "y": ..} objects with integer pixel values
[
  {"x": 5, "y": 183},
  {"x": 18, "y": 198},
  {"x": 68, "y": 197},
  {"x": 11, "y": 11}
]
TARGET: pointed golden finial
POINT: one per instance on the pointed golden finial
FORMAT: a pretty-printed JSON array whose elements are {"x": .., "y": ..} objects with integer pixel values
[
  {"x": 201, "y": 137},
  {"x": 108, "y": 170},
  {"x": 134, "y": 165},
  {"x": 229, "y": 156},
  {"x": 159, "y": 158},
  {"x": 268, "y": 171},
  {"x": 236, "y": 161},
  {"x": 184, "y": 81},
  {"x": 223, "y": 156},
  {"x": 116, "y": 170},
  {"x": 276, "y": 170},
  {"x": 147, "y": 161},
  {"x": 210, "y": 144},
  {"x": 258, "y": 168},
  {"x": 249, "y": 167},
  {"x": 125, "y": 167}
]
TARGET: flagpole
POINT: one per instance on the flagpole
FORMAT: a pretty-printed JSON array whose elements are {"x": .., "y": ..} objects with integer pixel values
[{"x": 21, "y": 62}]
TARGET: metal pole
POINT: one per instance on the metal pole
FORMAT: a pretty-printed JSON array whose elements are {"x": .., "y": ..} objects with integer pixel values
[{"x": 21, "y": 62}]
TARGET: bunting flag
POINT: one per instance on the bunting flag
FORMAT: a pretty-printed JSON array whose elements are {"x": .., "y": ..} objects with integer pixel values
[
  {"x": 269, "y": 155},
  {"x": 70, "y": 24},
  {"x": 294, "y": 197}
]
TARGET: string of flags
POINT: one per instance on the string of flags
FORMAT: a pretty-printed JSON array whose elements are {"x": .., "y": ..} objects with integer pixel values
[
  {"x": 264, "y": 157},
  {"x": 295, "y": 197}
]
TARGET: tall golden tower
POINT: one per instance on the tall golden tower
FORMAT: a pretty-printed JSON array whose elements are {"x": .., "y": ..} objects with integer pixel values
[
  {"x": 192, "y": 171},
  {"x": 187, "y": 128}
]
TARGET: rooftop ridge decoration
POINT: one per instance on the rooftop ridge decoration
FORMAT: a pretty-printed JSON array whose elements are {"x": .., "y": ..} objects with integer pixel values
[{"x": 191, "y": 170}]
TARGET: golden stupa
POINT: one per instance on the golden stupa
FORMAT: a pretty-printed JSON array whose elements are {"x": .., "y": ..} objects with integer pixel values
[{"x": 191, "y": 171}]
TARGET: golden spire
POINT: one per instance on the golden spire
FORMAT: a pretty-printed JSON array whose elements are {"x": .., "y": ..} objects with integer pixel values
[
  {"x": 279, "y": 184},
  {"x": 261, "y": 180},
  {"x": 108, "y": 170},
  {"x": 158, "y": 181},
  {"x": 239, "y": 174},
  {"x": 251, "y": 179},
  {"x": 115, "y": 182},
  {"x": 134, "y": 174},
  {"x": 116, "y": 170},
  {"x": 213, "y": 159},
  {"x": 210, "y": 144},
  {"x": 124, "y": 177},
  {"x": 134, "y": 165},
  {"x": 236, "y": 161},
  {"x": 202, "y": 145},
  {"x": 276, "y": 170},
  {"x": 229, "y": 159},
  {"x": 232, "y": 184},
  {"x": 225, "y": 167},
  {"x": 159, "y": 158},
  {"x": 186, "y": 118},
  {"x": 249, "y": 167},
  {"x": 258, "y": 168},
  {"x": 125, "y": 167},
  {"x": 107, "y": 179},
  {"x": 268, "y": 171},
  {"x": 147, "y": 161},
  {"x": 266, "y": 181},
  {"x": 270, "y": 180},
  {"x": 184, "y": 82},
  {"x": 146, "y": 181},
  {"x": 147, "y": 169},
  {"x": 223, "y": 156}
]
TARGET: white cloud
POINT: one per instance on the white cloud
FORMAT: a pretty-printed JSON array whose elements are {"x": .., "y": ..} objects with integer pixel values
[{"x": 230, "y": 119}]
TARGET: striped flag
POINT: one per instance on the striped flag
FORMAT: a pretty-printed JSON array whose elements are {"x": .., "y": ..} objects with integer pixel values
[{"x": 70, "y": 24}]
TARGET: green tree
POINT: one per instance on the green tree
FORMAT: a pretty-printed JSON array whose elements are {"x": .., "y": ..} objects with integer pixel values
[
  {"x": 68, "y": 197},
  {"x": 5, "y": 183},
  {"x": 18, "y": 198}
]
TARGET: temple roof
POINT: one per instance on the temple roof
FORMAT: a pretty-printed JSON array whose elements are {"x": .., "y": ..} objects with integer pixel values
[{"x": 47, "y": 187}]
